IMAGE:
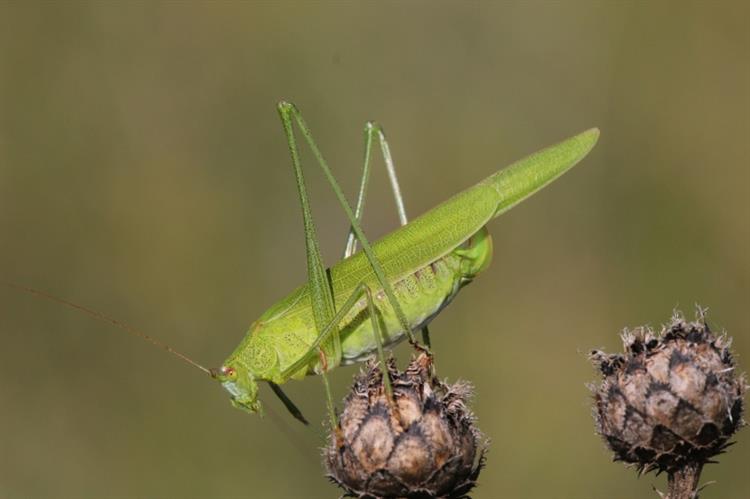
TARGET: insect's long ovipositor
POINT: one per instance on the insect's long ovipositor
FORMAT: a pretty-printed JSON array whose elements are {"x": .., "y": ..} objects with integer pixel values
[{"x": 426, "y": 262}]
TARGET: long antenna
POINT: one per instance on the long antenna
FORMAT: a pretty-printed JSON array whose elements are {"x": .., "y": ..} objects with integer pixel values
[{"x": 100, "y": 316}]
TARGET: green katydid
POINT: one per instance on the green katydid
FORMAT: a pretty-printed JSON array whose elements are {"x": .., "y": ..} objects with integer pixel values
[
  {"x": 376, "y": 297},
  {"x": 406, "y": 278}
]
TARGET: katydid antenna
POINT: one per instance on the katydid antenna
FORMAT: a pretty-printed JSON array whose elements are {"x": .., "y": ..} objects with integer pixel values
[
  {"x": 114, "y": 322},
  {"x": 294, "y": 439}
]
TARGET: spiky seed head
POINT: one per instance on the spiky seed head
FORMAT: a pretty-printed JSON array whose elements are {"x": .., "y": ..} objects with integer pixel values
[
  {"x": 672, "y": 398},
  {"x": 422, "y": 444}
]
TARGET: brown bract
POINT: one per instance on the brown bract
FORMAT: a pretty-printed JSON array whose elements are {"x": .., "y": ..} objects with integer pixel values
[
  {"x": 421, "y": 444},
  {"x": 671, "y": 399}
]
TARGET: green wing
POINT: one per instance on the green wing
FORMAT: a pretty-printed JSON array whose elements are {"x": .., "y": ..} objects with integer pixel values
[{"x": 443, "y": 228}]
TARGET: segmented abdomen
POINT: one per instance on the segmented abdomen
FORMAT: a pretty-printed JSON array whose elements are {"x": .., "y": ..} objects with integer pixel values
[{"x": 421, "y": 295}]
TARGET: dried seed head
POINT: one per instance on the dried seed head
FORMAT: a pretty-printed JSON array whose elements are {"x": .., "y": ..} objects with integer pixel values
[
  {"x": 422, "y": 444},
  {"x": 672, "y": 399}
]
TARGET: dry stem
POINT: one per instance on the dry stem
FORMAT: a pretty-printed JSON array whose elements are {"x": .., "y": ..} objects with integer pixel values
[{"x": 683, "y": 483}]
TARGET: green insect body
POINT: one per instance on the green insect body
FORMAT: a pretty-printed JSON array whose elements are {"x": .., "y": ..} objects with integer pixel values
[{"x": 426, "y": 262}]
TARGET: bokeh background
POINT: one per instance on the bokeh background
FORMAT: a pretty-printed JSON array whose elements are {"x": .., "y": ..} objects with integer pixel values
[{"x": 144, "y": 173}]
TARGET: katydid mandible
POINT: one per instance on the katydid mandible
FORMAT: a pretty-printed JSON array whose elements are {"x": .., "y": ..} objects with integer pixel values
[{"x": 374, "y": 298}]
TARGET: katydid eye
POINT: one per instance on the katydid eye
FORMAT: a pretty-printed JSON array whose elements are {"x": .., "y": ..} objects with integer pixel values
[{"x": 229, "y": 371}]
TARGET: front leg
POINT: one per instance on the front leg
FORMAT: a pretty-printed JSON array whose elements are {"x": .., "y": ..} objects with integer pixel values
[{"x": 315, "y": 348}]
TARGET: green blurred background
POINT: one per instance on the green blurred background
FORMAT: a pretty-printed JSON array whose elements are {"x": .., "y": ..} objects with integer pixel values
[{"x": 143, "y": 172}]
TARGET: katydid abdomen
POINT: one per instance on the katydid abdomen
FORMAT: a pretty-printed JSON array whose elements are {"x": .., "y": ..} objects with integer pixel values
[{"x": 422, "y": 295}]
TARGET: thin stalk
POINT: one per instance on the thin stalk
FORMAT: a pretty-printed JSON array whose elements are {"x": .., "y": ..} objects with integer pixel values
[{"x": 683, "y": 483}]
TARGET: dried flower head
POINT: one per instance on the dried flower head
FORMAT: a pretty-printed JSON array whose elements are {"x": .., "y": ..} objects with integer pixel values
[
  {"x": 421, "y": 444},
  {"x": 672, "y": 399}
]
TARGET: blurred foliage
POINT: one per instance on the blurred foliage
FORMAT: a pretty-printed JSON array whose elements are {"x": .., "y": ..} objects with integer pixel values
[{"x": 143, "y": 172}]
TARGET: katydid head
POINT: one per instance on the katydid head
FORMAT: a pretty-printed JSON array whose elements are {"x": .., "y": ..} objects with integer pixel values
[{"x": 241, "y": 385}]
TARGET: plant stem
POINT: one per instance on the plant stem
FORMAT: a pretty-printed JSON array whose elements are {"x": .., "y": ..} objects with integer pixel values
[{"x": 683, "y": 483}]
